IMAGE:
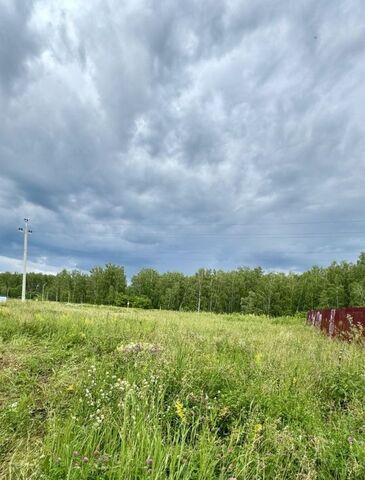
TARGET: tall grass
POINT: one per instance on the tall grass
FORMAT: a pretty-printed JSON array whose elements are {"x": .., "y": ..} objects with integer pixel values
[{"x": 107, "y": 393}]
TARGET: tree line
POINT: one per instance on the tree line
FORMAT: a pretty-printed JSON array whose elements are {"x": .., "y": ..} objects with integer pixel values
[{"x": 245, "y": 290}]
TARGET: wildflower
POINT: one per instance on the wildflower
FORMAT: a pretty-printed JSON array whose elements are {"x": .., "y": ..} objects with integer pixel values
[
  {"x": 13, "y": 405},
  {"x": 71, "y": 388},
  {"x": 232, "y": 478},
  {"x": 85, "y": 459},
  {"x": 96, "y": 452},
  {"x": 76, "y": 453},
  {"x": 121, "y": 384},
  {"x": 224, "y": 412},
  {"x": 180, "y": 410},
  {"x": 149, "y": 462},
  {"x": 136, "y": 348},
  {"x": 350, "y": 440},
  {"x": 258, "y": 358},
  {"x": 258, "y": 428}
]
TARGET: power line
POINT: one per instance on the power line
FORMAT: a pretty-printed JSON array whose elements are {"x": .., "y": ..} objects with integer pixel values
[
  {"x": 213, "y": 234},
  {"x": 213, "y": 223}
]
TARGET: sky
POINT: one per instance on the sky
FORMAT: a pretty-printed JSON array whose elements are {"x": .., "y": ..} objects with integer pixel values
[{"x": 182, "y": 134}]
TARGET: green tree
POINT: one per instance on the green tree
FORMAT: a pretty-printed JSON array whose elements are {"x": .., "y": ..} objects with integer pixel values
[{"x": 148, "y": 283}]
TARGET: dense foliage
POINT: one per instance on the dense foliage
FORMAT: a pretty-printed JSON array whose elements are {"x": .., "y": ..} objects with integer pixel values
[
  {"x": 92, "y": 393},
  {"x": 246, "y": 290}
]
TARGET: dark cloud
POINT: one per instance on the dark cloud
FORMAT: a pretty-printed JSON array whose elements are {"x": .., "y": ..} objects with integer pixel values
[
  {"x": 19, "y": 43},
  {"x": 180, "y": 135}
]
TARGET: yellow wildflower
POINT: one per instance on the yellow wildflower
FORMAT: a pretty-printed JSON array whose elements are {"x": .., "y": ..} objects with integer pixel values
[
  {"x": 180, "y": 410},
  {"x": 258, "y": 358},
  {"x": 258, "y": 428},
  {"x": 71, "y": 388}
]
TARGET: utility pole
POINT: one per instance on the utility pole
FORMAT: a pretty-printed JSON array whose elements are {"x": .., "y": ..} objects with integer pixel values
[{"x": 25, "y": 231}]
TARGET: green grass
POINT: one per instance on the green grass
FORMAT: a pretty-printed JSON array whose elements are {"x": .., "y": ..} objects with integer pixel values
[{"x": 199, "y": 396}]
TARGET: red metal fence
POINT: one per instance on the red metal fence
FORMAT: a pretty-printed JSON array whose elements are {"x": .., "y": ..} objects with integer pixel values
[{"x": 338, "y": 321}]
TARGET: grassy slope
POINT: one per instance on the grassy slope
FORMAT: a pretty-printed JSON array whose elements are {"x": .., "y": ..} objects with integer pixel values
[{"x": 225, "y": 397}]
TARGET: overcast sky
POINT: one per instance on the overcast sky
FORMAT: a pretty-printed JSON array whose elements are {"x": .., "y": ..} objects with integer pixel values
[{"x": 182, "y": 134}]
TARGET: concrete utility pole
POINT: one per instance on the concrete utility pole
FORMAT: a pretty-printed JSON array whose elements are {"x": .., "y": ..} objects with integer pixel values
[{"x": 25, "y": 231}]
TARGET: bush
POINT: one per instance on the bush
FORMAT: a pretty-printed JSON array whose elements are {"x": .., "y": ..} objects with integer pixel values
[{"x": 134, "y": 301}]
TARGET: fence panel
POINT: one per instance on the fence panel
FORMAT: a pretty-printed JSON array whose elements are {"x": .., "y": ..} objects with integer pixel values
[{"x": 338, "y": 321}]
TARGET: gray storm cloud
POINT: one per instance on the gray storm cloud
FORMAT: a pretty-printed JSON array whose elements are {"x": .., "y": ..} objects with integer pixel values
[{"x": 182, "y": 134}]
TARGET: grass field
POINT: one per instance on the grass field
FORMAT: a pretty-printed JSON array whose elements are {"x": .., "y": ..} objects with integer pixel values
[{"x": 106, "y": 393}]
